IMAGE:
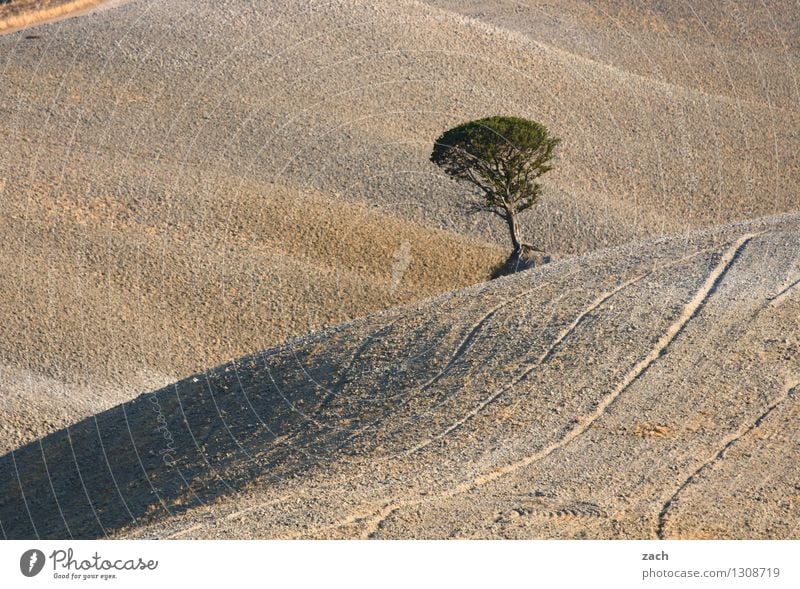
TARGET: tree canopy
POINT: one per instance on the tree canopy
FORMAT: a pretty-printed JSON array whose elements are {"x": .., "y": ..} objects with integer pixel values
[{"x": 504, "y": 157}]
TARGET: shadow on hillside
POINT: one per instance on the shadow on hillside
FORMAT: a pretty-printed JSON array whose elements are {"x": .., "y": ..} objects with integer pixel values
[{"x": 166, "y": 451}]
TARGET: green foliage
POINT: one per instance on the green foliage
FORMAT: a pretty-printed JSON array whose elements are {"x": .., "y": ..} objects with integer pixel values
[{"x": 503, "y": 157}]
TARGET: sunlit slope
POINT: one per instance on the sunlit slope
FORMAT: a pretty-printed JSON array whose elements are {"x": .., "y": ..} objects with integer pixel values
[
  {"x": 104, "y": 297},
  {"x": 180, "y": 184},
  {"x": 20, "y": 14},
  {"x": 745, "y": 51},
  {"x": 348, "y": 96},
  {"x": 619, "y": 394}
]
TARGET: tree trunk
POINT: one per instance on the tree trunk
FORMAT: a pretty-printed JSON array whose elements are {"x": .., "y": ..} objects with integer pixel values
[{"x": 513, "y": 228}]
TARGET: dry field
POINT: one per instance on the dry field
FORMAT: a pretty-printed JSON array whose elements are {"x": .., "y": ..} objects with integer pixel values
[
  {"x": 185, "y": 183},
  {"x": 20, "y": 14},
  {"x": 648, "y": 391}
]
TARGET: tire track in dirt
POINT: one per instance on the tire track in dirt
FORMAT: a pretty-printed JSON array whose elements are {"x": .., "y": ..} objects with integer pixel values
[
  {"x": 582, "y": 423},
  {"x": 563, "y": 334},
  {"x": 777, "y": 299},
  {"x": 461, "y": 349},
  {"x": 566, "y": 332},
  {"x": 340, "y": 383},
  {"x": 564, "y": 511},
  {"x": 372, "y": 518},
  {"x": 228, "y": 517},
  {"x": 467, "y": 341},
  {"x": 789, "y": 392}
]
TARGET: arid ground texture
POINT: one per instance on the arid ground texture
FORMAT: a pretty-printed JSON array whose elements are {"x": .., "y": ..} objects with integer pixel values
[{"x": 237, "y": 300}]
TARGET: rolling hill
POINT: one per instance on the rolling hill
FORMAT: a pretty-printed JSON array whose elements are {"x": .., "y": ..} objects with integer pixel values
[
  {"x": 182, "y": 184},
  {"x": 640, "y": 392}
]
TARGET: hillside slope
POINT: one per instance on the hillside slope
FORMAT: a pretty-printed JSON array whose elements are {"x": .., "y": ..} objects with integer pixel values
[
  {"x": 740, "y": 50},
  {"x": 22, "y": 14},
  {"x": 639, "y": 392},
  {"x": 181, "y": 184}
]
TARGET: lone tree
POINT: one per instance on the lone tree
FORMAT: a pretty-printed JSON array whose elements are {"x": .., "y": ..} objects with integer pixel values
[{"x": 504, "y": 157}]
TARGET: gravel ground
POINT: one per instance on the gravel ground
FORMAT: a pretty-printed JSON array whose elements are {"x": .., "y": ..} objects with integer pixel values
[
  {"x": 646, "y": 391},
  {"x": 183, "y": 183},
  {"x": 21, "y": 14}
]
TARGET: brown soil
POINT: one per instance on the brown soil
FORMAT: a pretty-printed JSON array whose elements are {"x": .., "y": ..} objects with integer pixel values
[
  {"x": 557, "y": 403},
  {"x": 22, "y": 14},
  {"x": 183, "y": 184}
]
